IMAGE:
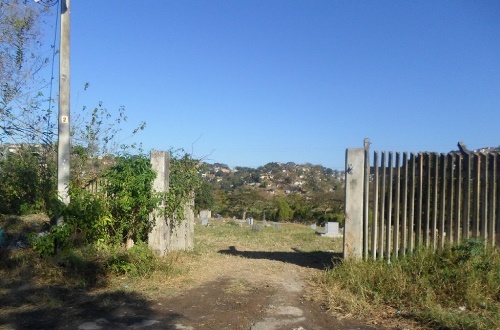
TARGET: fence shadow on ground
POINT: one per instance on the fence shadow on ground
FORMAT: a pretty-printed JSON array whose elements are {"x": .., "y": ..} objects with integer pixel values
[{"x": 312, "y": 259}]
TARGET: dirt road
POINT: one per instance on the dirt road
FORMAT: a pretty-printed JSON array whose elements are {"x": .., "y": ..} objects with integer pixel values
[
  {"x": 238, "y": 289},
  {"x": 221, "y": 286}
]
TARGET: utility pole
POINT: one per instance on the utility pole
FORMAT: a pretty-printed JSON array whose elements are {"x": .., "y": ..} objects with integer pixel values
[{"x": 63, "y": 150}]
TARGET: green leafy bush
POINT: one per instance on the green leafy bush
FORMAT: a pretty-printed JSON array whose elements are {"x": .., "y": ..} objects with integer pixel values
[{"x": 129, "y": 197}]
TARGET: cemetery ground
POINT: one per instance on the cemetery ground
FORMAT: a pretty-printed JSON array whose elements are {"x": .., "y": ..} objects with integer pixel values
[{"x": 237, "y": 277}]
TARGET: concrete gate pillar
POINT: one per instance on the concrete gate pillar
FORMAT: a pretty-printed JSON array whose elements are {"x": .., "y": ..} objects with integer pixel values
[
  {"x": 168, "y": 233},
  {"x": 354, "y": 182}
]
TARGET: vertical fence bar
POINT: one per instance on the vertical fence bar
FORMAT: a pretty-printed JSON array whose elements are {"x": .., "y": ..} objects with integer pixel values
[
  {"x": 484, "y": 196},
  {"x": 442, "y": 201},
  {"x": 450, "y": 231},
  {"x": 493, "y": 189},
  {"x": 477, "y": 196},
  {"x": 467, "y": 197},
  {"x": 366, "y": 193},
  {"x": 411, "y": 236},
  {"x": 388, "y": 226},
  {"x": 420, "y": 183},
  {"x": 427, "y": 210},
  {"x": 435, "y": 200},
  {"x": 381, "y": 250},
  {"x": 375, "y": 205},
  {"x": 397, "y": 201},
  {"x": 404, "y": 215},
  {"x": 497, "y": 201},
  {"x": 458, "y": 198},
  {"x": 496, "y": 218}
]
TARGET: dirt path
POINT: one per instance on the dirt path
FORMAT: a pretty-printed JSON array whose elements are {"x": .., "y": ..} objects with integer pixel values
[
  {"x": 220, "y": 285},
  {"x": 237, "y": 289}
]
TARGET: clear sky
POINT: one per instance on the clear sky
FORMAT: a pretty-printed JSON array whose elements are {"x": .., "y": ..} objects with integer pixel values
[{"x": 247, "y": 82}]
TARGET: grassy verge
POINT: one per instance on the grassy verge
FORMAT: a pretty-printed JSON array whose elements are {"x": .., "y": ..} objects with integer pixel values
[
  {"x": 274, "y": 237},
  {"x": 456, "y": 288}
]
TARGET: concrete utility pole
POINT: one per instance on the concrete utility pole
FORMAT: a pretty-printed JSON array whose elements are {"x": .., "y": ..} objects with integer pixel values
[{"x": 63, "y": 150}]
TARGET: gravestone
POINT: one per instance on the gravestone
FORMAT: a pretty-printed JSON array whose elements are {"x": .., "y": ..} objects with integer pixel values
[
  {"x": 205, "y": 214},
  {"x": 204, "y": 222},
  {"x": 276, "y": 225},
  {"x": 250, "y": 221},
  {"x": 331, "y": 230},
  {"x": 313, "y": 226}
]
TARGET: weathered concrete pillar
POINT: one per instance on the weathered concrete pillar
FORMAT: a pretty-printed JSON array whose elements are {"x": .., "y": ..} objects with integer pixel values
[
  {"x": 169, "y": 233},
  {"x": 158, "y": 237},
  {"x": 181, "y": 233},
  {"x": 354, "y": 182}
]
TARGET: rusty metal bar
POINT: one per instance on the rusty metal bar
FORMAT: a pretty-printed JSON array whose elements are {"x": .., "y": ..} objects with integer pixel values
[
  {"x": 382, "y": 209},
  {"x": 404, "y": 214},
  {"x": 484, "y": 196},
  {"x": 442, "y": 201},
  {"x": 458, "y": 198},
  {"x": 397, "y": 202},
  {"x": 411, "y": 235},
  {"x": 420, "y": 187},
  {"x": 434, "y": 200},
  {"x": 375, "y": 206},
  {"x": 450, "y": 231},
  {"x": 388, "y": 223},
  {"x": 477, "y": 197},
  {"x": 492, "y": 203},
  {"x": 366, "y": 192},
  {"x": 427, "y": 208},
  {"x": 467, "y": 198}
]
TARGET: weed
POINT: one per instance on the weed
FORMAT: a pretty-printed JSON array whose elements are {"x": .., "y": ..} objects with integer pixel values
[
  {"x": 138, "y": 261},
  {"x": 451, "y": 288}
]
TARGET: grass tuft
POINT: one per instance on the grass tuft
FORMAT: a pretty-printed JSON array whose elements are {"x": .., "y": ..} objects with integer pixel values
[{"x": 451, "y": 288}]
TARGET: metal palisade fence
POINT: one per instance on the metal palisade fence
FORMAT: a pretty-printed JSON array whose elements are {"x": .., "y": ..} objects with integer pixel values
[{"x": 427, "y": 199}]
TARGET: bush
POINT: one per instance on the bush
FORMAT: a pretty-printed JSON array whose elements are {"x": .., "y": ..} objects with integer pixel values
[{"x": 137, "y": 261}]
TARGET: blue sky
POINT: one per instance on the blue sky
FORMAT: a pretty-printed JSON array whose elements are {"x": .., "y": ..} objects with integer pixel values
[{"x": 247, "y": 82}]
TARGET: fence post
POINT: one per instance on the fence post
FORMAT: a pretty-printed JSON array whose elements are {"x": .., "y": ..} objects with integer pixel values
[
  {"x": 158, "y": 237},
  {"x": 354, "y": 183},
  {"x": 366, "y": 190}
]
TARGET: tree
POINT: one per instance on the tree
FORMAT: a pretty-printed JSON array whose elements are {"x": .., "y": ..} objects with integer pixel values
[
  {"x": 27, "y": 185},
  {"x": 284, "y": 212},
  {"x": 204, "y": 198},
  {"x": 245, "y": 200},
  {"x": 302, "y": 208},
  {"x": 22, "y": 117}
]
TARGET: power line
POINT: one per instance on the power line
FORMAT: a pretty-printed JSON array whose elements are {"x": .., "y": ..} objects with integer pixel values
[{"x": 53, "y": 58}]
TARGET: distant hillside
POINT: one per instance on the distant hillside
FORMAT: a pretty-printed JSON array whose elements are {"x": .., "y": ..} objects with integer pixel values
[{"x": 274, "y": 178}]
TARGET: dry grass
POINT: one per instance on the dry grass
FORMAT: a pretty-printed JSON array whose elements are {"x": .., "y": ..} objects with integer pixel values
[{"x": 449, "y": 289}]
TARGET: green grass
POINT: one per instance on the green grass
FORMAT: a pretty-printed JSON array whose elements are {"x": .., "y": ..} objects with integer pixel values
[
  {"x": 456, "y": 288},
  {"x": 265, "y": 238}
]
